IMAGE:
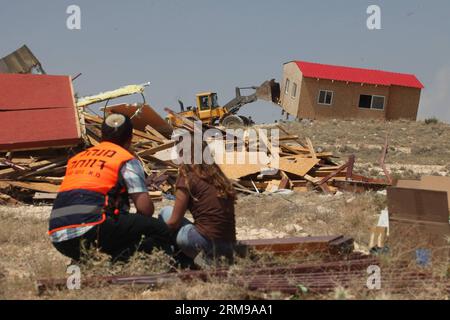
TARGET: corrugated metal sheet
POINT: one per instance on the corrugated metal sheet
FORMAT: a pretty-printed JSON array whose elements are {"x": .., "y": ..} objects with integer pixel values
[
  {"x": 358, "y": 75},
  {"x": 37, "y": 112},
  {"x": 21, "y": 61}
]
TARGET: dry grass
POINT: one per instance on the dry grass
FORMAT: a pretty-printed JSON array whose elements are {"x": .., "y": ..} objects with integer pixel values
[{"x": 303, "y": 214}]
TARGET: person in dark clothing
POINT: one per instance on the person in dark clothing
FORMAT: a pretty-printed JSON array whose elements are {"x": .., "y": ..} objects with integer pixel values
[
  {"x": 206, "y": 192},
  {"x": 92, "y": 205}
]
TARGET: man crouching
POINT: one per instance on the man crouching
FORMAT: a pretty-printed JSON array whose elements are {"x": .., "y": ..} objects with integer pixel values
[{"x": 92, "y": 205}]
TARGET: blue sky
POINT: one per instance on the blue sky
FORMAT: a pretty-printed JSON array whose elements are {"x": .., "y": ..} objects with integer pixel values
[{"x": 184, "y": 47}]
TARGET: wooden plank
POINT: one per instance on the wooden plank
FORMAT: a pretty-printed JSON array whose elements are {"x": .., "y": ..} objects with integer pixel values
[
  {"x": 377, "y": 237},
  {"x": 288, "y": 134},
  {"x": 289, "y": 149},
  {"x": 286, "y": 138},
  {"x": 144, "y": 135},
  {"x": 311, "y": 179},
  {"x": 33, "y": 166},
  {"x": 35, "y": 186},
  {"x": 289, "y": 246},
  {"x": 295, "y": 149},
  {"x": 337, "y": 171},
  {"x": 311, "y": 148},
  {"x": 156, "y": 149},
  {"x": 151, "y": 130},
  {"x": 53, "y": 166},
  {"x": 93, "y": 118},
  {"x": 285, "y": 182},
  {"x": 166, "y": 163}
]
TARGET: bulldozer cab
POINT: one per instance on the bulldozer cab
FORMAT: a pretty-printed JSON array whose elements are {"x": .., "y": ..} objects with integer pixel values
[
  {"x": 208, "y": 109},
  {"x": 207, "y": 101}
]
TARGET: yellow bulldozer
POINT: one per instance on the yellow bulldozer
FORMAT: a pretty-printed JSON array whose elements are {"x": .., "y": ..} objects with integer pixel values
[{"x": 208, "y": 110}]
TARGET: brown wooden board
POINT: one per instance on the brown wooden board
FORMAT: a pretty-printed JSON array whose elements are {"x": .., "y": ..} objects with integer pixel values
[
  {"x": 289, "y": 245},
  {"x": 297, "y": 164},
  {"x": 147, "y": 117},
  {"x": 416, "y": 204}
]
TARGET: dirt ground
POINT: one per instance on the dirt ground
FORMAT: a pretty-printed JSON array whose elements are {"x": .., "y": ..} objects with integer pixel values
[{"x": 27, "y": 254}]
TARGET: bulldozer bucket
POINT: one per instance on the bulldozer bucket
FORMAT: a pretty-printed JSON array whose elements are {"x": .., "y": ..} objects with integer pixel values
[{"x": 269, "y": 91}]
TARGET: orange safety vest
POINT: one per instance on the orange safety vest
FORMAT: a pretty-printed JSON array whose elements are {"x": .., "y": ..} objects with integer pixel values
[{"x": 94, "y": 171}]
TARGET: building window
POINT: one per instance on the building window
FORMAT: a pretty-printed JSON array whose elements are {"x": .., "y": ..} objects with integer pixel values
[
  {"x": 286, "y": 89},
  {"x": 326, "y": 97},
  {"x": 294, "y": 90},
  {"x": 371, "y": 102},
  {"x": 378, "y": 102}
]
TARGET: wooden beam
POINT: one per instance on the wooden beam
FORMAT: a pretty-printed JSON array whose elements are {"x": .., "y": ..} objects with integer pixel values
[{"x": 156, "y": 149}]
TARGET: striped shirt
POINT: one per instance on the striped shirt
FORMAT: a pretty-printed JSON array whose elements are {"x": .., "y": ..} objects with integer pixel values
[{"x": 134, "y": 177}]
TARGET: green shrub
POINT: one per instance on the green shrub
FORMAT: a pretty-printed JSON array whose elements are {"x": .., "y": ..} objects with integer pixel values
[{"x": 433, "y": 120}]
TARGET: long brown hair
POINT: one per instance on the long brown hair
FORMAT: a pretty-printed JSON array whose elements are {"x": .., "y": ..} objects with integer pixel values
[{"x": 210, "y": 173}]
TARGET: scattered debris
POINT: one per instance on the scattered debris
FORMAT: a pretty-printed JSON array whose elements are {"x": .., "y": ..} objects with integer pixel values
[{"x": 39, "y": 111}]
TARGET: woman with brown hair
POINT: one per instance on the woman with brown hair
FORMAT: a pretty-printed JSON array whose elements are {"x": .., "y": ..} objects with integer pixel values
[{"x": 206, "y": 192}]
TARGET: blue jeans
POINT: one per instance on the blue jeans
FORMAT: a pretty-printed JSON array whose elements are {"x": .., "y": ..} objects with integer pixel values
[{"x": 191, "y": 242}]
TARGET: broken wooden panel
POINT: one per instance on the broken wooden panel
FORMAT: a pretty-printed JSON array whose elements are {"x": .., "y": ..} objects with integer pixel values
[
  {"x": 146, "y": 117},
  {"x": 21, "y": 61},
  {"x": 236, "y": 165},
  {"x": 236, "y": 171},
  {"x": 37, "y": 112},
  {"x": 297, "y": 164}
]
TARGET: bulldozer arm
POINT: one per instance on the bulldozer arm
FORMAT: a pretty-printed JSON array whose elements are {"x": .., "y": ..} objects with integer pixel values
[{"x": 269, "y": 91}]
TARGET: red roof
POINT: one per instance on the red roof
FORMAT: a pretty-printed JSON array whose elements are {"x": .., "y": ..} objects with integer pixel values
[
  {"x": 37, "y": 112},
  {"x": 377, "y": 77}
]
